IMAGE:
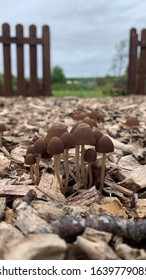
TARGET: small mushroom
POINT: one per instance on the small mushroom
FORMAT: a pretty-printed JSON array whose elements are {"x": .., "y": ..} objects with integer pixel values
[
  {"x": 132, "y": 122},
  {"x": 56, "y": 130},
  {"x": 30, "y": 160},
  {"x": 90, "y": 157},
  {"x": 2, "y": 129},
  {"x": 55, "y": 148},
  {"x": 104, "y": 146},
  {"x": 69, "y": 143},
  {"x": 83, "y": 136}
]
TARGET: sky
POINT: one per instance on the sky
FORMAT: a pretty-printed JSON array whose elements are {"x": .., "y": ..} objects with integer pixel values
[{"x": 83, "y": 33}]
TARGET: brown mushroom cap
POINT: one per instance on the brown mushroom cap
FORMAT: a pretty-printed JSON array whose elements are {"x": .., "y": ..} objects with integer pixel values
[
  {"x": 84, "y": 135},
  {"x": 2, "y": 127},
  {"x": 68, "y": 140},
  {"x": 132, "y": 121},
  {"x": 30, "y": 159},
  {"x": 40, "y": 146},
  {"x": 30, "y": 149},
  {"x": 90, "y": 122},
  {"x": 90, "y": 155},
  {"x": 98, "y": 134},
  {"x": 55, "y": 146},
  {"x": 74, "y": 126},
  {"x": 104, "y": 145},
  {"x": 56, "y": 130}
]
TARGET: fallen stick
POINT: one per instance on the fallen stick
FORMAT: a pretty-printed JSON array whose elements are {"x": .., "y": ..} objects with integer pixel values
[{"x": 69, "y": 229}]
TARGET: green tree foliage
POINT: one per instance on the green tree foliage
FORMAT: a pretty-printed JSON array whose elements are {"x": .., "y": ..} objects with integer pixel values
[
  {"x": 57, "y": 75},
  {"x": 120, "y": 60}
]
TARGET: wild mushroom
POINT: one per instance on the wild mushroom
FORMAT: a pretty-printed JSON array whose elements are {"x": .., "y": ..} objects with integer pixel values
[
  {"x": 89, "y": 157},
  {"x": 55, "y": 148},
  {"x": 57, "y": 129},
  {"x": 30, "y": 160},
  {"x": 104, "y": 146},
  {"x": 83, "y": 136},
  {"x": 132, "y": 122},
  {"x": 69, "y": 143},
  {"x": 40, "y": 147}
]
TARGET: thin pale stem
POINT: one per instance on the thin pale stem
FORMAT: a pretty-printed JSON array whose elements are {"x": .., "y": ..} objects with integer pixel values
[
  {"x": 102, "y": 173},
  {"x": 90, "y": 175},
  {"x": 57, "y": 171},
  {"x": 77, "y": 162},
  {"x": 32, "y": 175},
  {"x": 83, "y": 166},
  {"x": 65, "y": 156}
]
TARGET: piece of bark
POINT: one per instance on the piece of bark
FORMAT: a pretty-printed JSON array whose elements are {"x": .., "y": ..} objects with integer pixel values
[
  {"x": 84, "y": 197},
  {"x": 27, "y": 219},
  {"x": 49, "y": 211},
  {"x": 126, "y": 252},
  {"x": 136, "y": 180},
  {"x": 4, "y": 164},
  {"x": 117, "y": 187},
  {"x": 96, "y": 250},
  {"x": 37, "y": 247},
  {"x": 141, "y": 208},
  {"x": 96, "y": 235},
  {"x": 113, "y": 207},
  {"x": 50, "y": 187},
  {"x": 18, "y": 190},
  {"x": 7, "y": 234},
  {"x": 2, "y": 207}
]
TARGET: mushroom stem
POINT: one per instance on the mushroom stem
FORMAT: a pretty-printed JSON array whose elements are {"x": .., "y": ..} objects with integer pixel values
[
  {"x": 82, "y": 165},
  {"x": 57, "y": 171},
  {"x": 32, "y": 174},
  {"x": 77, "y": 162},
  {"x": 68, "y": 171},
  {"x": 102, "y": 172},
  {"x": 36, "y": 169},
  {"x": 65, "y": 156},
  {"x": 89, "y": 174}
]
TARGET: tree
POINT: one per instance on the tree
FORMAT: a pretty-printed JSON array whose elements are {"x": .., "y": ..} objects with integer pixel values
[
  {"x": 119, "y": 62},
  {"x": 57, "y": 75}
]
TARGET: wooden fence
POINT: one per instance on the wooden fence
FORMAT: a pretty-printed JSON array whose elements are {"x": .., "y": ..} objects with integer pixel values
[
  {"x": 137, "y": 63},
  {"x": 34, "y": 86}
]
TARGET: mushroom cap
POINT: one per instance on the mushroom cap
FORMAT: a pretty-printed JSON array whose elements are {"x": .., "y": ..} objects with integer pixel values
[
  {"x": 90, "y": 122},
  {"x": 74, "y": 126},
  {"x": 84, "y": 135},
  {"x": 132, "y": 121},
  {"x": 40, "y": 146},
  {"x": 56, "y": 130},
  {"x": 96, "y": 115},
  {"x": 104, "y": 145},
  {"x": 68, "y": 140},
  {"x": 55, "y": 146},
  {"x": 2, "y": 127},
  {"x": 30, "y": 159},
  {"x": 90, "y": 155},
  {"x": 30, "y": 149},
  {"x": 98, "y": 134}
]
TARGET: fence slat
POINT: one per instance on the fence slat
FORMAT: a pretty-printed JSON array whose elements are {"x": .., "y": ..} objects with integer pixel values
[
  {"x": 7, "y": 61},
  {"x": 21, "y": 84},
  {"x": 33, "y": 62},
  {"x": 46, "y": 61},
  {"x": 132, "y": 62},
  {"x": 142, "y": 64}
]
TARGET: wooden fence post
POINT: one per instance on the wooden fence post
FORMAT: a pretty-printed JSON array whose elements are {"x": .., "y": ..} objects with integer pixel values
[
  {"x": 142, "y": 64},
  {"x": 21, "y": 84},
  {"x": 46, "y": 61},
  {"x": 132, "y": 68},
  {"x": 7, "y": 59}
]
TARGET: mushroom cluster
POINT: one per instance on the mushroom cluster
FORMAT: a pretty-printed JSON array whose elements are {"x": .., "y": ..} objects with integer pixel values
[{"x": 86, "y": 139}]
